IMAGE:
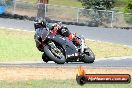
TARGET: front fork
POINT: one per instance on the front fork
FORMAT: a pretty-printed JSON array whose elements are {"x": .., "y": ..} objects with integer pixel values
[
  {"x": 54, "y": 49},
  {"x": 51, "y": 44},
  {"x": 82, "y": 44}
]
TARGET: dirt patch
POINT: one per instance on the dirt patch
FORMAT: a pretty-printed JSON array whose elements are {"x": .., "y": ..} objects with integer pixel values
[{"x": 17, "y": 74}]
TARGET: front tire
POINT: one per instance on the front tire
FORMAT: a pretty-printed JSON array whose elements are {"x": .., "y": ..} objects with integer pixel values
[
  {"x": 45, "y": 58},
  {"x": 49, "y": 53}
]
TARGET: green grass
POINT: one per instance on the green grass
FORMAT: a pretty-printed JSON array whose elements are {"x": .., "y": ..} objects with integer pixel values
[
  {"x": 105, "y": 49},
  {"x": 20, "y": 46},
  {"x": 73, "y": 3},
  {"x": 58, "y": 84},
  {"x": 119, "y": 4},
  {"x": 16, "y": 45}
]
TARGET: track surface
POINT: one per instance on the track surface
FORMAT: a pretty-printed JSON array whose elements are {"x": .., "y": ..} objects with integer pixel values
[
  {"x": 110, "y": 62},
  {"x": 101, "y": 34}
]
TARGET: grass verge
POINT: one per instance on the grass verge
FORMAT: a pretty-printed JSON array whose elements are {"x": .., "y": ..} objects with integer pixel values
[
  {"x": 106, "y": 50},
  {"x": 119, "y": 4},
  {"x": 16, "y": 77},
  {"x": 20, "y": 46},
  {"x": 73, "y": 3},
  {"x": 58, "y": 84},
  {"x": 17, "y": 46}
]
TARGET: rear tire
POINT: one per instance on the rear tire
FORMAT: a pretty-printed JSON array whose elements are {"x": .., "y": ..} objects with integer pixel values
[
  {"x": 89, "y": 56},
  {"x": 50, "y": 55}
]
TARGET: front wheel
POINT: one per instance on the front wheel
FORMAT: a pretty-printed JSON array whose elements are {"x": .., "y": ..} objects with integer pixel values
[
  {"x": 56, "y": 54},
  {"x": 89, "y": 56},
  {"x": 45, "y": 58}
]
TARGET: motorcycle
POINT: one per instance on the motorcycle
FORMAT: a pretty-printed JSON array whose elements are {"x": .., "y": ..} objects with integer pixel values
[{"x": 61, "y": 50}]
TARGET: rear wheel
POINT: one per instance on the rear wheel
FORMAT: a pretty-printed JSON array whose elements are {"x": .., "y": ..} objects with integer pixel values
[
  {"x": 89, "y": 56},
  {"x": 55, "y": 53}
]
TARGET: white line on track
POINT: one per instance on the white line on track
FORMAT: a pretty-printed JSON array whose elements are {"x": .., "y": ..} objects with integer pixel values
[{"x": 15, "y": 29}]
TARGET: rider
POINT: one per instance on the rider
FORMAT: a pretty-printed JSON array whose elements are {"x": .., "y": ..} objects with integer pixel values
[
  {"x": 39, "y": 25},
  {"x": 55, "y": 28}
]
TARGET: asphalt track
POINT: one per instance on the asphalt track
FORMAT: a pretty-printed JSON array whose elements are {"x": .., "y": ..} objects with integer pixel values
[
  {"x": 102, "y": 34},
  {"x": 119, "y": 36},
  {"x": 122, "y": 62}
]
